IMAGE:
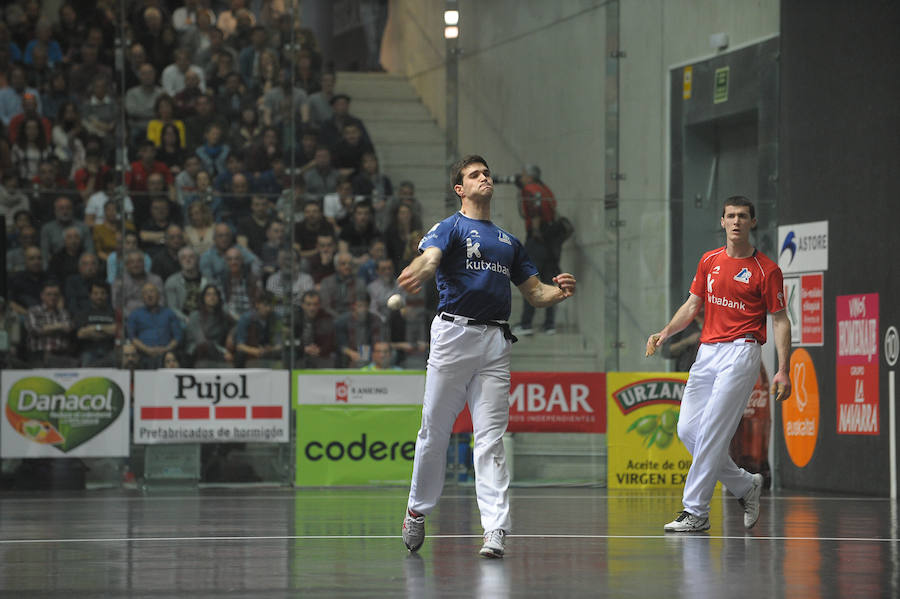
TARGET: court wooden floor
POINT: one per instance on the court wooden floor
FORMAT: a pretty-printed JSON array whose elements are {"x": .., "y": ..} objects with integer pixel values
[{"x": 567, "y": 542}]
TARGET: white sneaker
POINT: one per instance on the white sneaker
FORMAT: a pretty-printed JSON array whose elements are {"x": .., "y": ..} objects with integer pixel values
[
  {"x": 413, "y": 531},
  {"x": 687, "y": 522},
  {"x": 750, "y": 501},
  {"x": 550, "y": 331},
  {"x": 520, "y": 331},
  {"x": 494, "y": 543}
]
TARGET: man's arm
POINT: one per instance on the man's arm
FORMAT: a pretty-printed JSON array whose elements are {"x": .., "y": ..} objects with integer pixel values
[
  {"x": 781, "y": 382},
  {"x": 541, "y": 295},
  {"x": 421, "y": 269},
  {"x": 683, "y": 317}
]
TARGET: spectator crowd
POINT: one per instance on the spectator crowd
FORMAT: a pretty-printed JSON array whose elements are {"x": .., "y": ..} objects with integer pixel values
[{"x": 206, "y": 200}]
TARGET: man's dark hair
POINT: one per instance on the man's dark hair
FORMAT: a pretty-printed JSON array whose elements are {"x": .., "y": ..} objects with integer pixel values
[
  {"x": 100, "y": 284},
  {"x": 739, "y": 201},
  {"x": 459, "y": 165},
  {"x": 309, "y": 293}
]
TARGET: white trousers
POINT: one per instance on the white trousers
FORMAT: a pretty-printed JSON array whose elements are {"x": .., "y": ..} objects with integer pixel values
[
  {"x": 466, "y": 364},
  {"x": 717, "y": 391}
]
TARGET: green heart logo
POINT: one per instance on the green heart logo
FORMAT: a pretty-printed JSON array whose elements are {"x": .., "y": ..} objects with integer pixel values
[{"x": 42, "y": 411}]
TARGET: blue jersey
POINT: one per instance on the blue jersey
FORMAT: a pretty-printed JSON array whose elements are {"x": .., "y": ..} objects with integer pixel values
[{"x": 479, "y": 260}]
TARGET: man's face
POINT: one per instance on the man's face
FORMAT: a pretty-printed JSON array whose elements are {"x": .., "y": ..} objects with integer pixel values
[
  {"x": 147, "y": 154},
  {"x": 159, "y": 210},
  {"x": 174, "y": 239},
  {"x": 138, "y": 55},
  {"x": 370, "y": 164},
  {"x": 50, "y": 297},
  {"x": 203, "y": 106},
  {"x": 343, "y": 264},
  {"x": 351, "y": 135},
  {"x": 239, "y": 184},
  {"x": 214, "y": 135},
  {"x": 111, "y": 212},
  {"x": 362, "y": 216},
  {"x": 377, "y": 250},
  {"x": 312, "y": 214},
  {"x": 222, "y": 237},
  {"x": 29, "y": 104},
  {"x": 192, "y": 80},
  {"x": 259, "y": 207},
  {"x": 325, "y": 247},
  {"x": 100, "y": 88},
  {"x": 192, "y": 166},
  {"x": 150, "y": 295},
  {"x": 360, "y": 308},
  {"x": 47, "y": 174},
  {"x": 147, "y": 75},
  {"x": 99, "y": 296},
  {"x": 33, "y": 261},
  {"x": 385, "y": 270},
  {"x": 275, "y": 233},
  {"x": 62, "y": 209},
  {"x": 28, "y": 237},
  {"x": 476, "y": 182},
  {"x": 72, "y": 240},
  {"x": 341, "y": 107},
  {"x": 737, "y": 223},
  {"x": 328, "y": 83},
  {"x": 263, "y": 308},
  {"x": 134, "y": 264},
  {"x": 234, "y": 261},
  {"x": 406, "y": 192},
  {"x": 310, "y": 305},
  {"x": 323, "y": 159},
  {"x": 88, "y": 266},
  {"x": 188, "y": 261},
  {"x": 182, "y": 60},
  {"x": 129, "y": 356},
  {"x": 381, "y": 354},
  {"x": 17, "y": 79}
]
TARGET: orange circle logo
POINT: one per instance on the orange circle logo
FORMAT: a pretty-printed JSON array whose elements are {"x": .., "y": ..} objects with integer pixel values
[{"x": 800, "y": 412}]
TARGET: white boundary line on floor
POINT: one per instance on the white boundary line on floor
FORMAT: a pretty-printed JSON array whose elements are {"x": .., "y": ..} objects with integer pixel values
[{"x": 460, "y": 536}]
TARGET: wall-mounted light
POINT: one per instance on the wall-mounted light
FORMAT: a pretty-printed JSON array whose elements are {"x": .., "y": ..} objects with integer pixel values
[
  {"x": 451, "y": 32},
  {"x": 451, "y": 24}
]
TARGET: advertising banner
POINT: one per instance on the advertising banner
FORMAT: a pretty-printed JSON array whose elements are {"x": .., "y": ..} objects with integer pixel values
[
  {"x": 857, "y": 361},
  {"x": 211, "y": 406},
  {"x": 64, "y": 413},
  {"x": 552, "y": 402},
  {"x": 803, "y": 247},
  {"x": 356, "y": 444},
  {"x": 805, "y": 309},
  {"x": 800, "y": 411},
  {"x": 643, "y": 447},
  {"x": 329, "y": 387}
]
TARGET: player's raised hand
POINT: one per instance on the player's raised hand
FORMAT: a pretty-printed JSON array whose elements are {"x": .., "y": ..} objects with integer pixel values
[
  {"x": 419, "y": 270},
  {"x": 566, "y": 284},
  {"x": 653, "y": 342}
]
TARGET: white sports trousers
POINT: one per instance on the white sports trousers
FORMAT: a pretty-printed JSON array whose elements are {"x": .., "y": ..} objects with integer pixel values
[
  {"x": 717, "y": 391},
  {"x": 466, "y": 364}
]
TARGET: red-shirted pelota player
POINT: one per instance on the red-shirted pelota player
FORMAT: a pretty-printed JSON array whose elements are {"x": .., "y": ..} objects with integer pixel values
[{"x": 738, "y": 286}]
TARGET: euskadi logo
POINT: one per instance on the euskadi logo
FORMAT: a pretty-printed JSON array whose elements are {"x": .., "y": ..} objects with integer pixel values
[
  {"x": 44, "y": 412},
  {"x": 649, "y": 392},
  {"x": 504, "y": 238},
  {"x": 743, "y": 276}
]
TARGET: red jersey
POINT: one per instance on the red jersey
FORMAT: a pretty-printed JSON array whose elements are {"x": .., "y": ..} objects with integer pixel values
[
  {"x": 538, "y": 202},
  {"x": 738, "y": 292}
]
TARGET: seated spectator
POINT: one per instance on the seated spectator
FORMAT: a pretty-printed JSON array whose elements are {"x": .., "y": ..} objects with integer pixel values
[
  {"x": 331, "y": 130},
  {"x": 29, "y": 111},
  {"x": 346, "y": 155},
  {"x": 56, "y": 95},
  {"x": 65, "y": 261},
  {"x": 152, "y": 328},
  {"x": 152, "y": 232},
  {"x": 199, "y": 232},
  {"x": 100, "y": 115},
  {"x": 313, "y": 225},
  {"x": 212, "y": 262},
  {"x": 183, "y": 288},
  {"x": 289, "y": 281},
  {"x": 376, "y": 187},
  {"x": 247, "y": 128},
  {"x": 170, "y": 360},
  {"x": 156, "y": 35},
  {"x": 263, "y": 151},
  {"x": 278, "y": 102},
  {"x": 66, "y": 136},
  {"x": 251, "y": 230},
  {"x": 227, "y": 21},
  {"x": 174, "y": 76},
  {"x": 406, "y": 194},
  {"x": 356, "y": 331},
  {"x": 25, "y": 286},
  {"x": 140, "y": 102},
  {"x": 382, "y": 357},
  {"x": 88, "y": 68},
  {"x": 241, "y": 286},
  {"x": 15, "y": 258},
  {"x": 11, "y": 343},
  {"x": 323, "y": 178},
  {"x": 11, "y": 96},
  {"x": 21, "y": 220},
  {"x": 314, "y": 340},
  {"x": 12, "y": 199},
  {"x": 93, "y": 178},
  {"x": 49, "y": 328},
  {"x": 214, "y": 153},
  {"x": 47, "y": 187},
  {"x": 207, "y": 331},
  {"x": 196, "y": 125},
  {"x": 254, "y": 336},
  {"x": 305, "y": 73},
  {"x": 321, "y": 264},
  {"x": 127, "y": 291},
  {"x": 170, "y": 151},
  {"x": 52, "y": 232},
  {"x": 137, "y": 179},
  {"x": 186, "y": 99},
  {"x": 402, "y": 237},
  {"x": 320, "y": 102},
  {"x": 338, "y": 206},
  {"x": 165, "y": 262},
  {"x": 30, "y": 149},
  {"x": 134, "y": 58},
  {"x": 275, "y": 242},
  {"x": 77, "y": 288},
  {"x": 381, "y": 288},
  {"x": 221, "y": 64},
  {"x": 186, "y": 181},
  {"x": 164, "y": 114},
  {"x": 249, "y": 58},
  {"x": 233, "y": 204},
  {"x": 107, "y": 233},
  {"x": 115, "y": 261},
  {"x": 232, "y": 98},
  {"x": 40, "y": 72},
  {"x": 131, "y": 359},
  {"x": 43, "y": 34},
  {"x": 95, "y": 328},
  {"x": 359, "y": 233},
  {"x": 339, "y": 290},
  {"x": 368, "y": 270}
]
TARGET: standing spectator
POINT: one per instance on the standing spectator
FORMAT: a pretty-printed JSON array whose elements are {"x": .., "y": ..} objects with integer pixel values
[
  {"x": 288, "y": 282},
  {"x": 95, "y": 328},
  {"x": 77, "y": 286},
  {"x": 356, "y": 331},
  {"x": 199, "y": 233},
  {"x": 64, "y": 261},
  {"x": 339, "y": 290},
  {"x": 100, "y": 115},
  {"x": 30, "y": 149},
  {"x": 207, "y": 331},
  {"x": 323, "y": 178},
  {"x": 212, "y": 262},
  {"x": 25, "y": 286},
  {"x": 140, "y": 102},
  {"x": 127, "y": 292},
  {"x": 154, "y": 329},
  {"x": 64, "y": 217},
  {"x": 164, "y": 110},
  {"x": 11, "y": 95},
  {"x": 321, "y": 264},
  {"x": 183, "y": 288},
  {"x": 49, "y": 328},
  {"x": 240, "y": 284},
  {"x": 254, "y": 336},
  {"x": 166, "y": 262},
  {"x": 174, "y": 76},
  {"x": 314, "y": 341}
]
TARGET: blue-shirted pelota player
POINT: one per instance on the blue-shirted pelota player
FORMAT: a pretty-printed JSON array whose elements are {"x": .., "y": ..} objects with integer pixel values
[{"x": 473, "y": 261}]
